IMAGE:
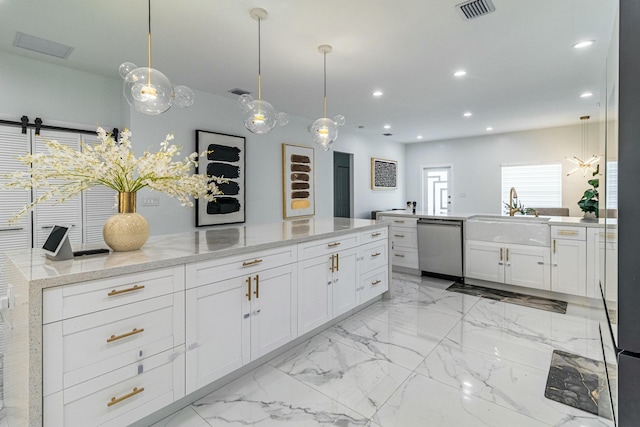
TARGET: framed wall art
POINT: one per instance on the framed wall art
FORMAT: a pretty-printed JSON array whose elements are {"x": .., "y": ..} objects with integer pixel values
[
  {"x": 384, "y": 174},
  {"x": 225, "y": 157},
  {"x": 298, "y": 182}
]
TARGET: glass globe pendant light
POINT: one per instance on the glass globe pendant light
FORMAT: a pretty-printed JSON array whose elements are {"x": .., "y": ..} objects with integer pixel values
[
  {"x": 149, "y": 91},
  {"x": 259, "y": 115},
  {"x": 324, "y": 130}
]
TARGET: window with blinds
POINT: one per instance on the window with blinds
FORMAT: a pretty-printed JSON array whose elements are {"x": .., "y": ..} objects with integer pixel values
[
  {"x": 538, "y": 186},
  {"x": 612, "y": 185}
]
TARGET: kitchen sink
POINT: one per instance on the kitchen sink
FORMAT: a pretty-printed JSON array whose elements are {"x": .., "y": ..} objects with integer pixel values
[{"x": 522, "y": 229}]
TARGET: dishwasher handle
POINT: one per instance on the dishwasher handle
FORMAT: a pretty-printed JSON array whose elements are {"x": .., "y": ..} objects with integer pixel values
[{"x": 445, "y": 222}]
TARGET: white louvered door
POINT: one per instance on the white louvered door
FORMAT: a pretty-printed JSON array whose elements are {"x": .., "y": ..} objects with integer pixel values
[
  {"x": 68, "y": 213},
  {"x": 13, "y": 144},
  {"x": 99, "y": 204}
]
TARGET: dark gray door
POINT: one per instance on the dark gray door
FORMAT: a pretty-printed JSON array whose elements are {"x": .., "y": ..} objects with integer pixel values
[{"x": 342, "y": 184}]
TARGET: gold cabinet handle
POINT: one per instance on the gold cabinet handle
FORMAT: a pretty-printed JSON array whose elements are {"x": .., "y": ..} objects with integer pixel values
[
  {"x": 376, "y": 282},
  {"x": 337, "y": 262},
  {"x": 398, "y": 221},
  {"x": 375, "y": 234},
  {"x": 399, "y": 255},
  {"x": 254, "y": 262},
  {"x": 500, "y": 254},
  {"x": 554, "y": 246},
  {"x": 333, "y": 263},
  {"x": 115, "y": 400},
  {"x": 507, "y": 250},
  {"x": 376, "y": 254},
  {"x": 122, "y": 291},
  {"x": 248, "y": 294},
  {"x": 567, "y": 233},
  {"x": 113, "y": 338},
  {"x": 398, "y": 235},
  {"x": 334, "y": 244},
  {"x": 257, "y": 291},
  {"x": 608, "y": 235}
]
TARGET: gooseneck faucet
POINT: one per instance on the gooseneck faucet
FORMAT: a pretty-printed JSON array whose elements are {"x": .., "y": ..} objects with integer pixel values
[{"x": 512, "y": 195}]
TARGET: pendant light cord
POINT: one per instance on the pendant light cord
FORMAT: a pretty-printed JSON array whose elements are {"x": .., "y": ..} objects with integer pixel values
[
  {"x": 259, "y": 60},
  {"x": 325, "y": 84},
  {"x": 149, "y": 42}
]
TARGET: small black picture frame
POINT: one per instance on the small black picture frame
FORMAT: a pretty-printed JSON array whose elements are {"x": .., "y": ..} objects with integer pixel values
[{"x": 225, "y": 157}]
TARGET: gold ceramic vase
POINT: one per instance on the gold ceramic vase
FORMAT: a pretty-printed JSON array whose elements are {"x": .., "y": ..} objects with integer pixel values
[{"x": 126, "y": 230}]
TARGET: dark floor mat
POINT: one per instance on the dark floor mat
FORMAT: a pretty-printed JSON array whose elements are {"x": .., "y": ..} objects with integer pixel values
[
  {"x": 547, "y": 304},
  {"x": 579, "y": 382}
]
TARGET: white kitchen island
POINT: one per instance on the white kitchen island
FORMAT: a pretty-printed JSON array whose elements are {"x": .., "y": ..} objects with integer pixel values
[{"x": 109, "y": 339}]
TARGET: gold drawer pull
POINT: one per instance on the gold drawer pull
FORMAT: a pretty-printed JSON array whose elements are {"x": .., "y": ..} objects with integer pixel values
[
  {"x": 398, "y": 235},
  {"x": 401, "y": 256},
  {"x": 331, "y": 245},
  {"x": 254, "y": 262},
  {"x": 375, "y": 234},
  {"x": 122, "y": 291},
  {"x": 608, "y": 235},
  {"x": 376, "y": 282},
  {"x": 376, "y": 254},
  {"x": 113, "y": 338},
  {"x": 115, "y": 400},
  {"x": 567, "y": 233},
  {"x": 399, "y": 222}
]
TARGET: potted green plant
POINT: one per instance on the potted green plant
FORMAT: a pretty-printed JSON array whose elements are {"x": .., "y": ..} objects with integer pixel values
[{"x": 589, "y": 201}]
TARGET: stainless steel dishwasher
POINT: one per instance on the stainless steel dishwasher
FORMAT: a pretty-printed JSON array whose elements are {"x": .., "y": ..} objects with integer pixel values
[{"x": 440, "y": 248}]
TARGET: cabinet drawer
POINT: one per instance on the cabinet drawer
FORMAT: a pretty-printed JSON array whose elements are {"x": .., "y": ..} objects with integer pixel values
[
  {"x": 68, "y": 301},
  {"x": 405, "y": 258},
  {"x": 373, "y": 255},
  {"x": 373, "y": 235},
  {"x": 404, "y": 237},
  {"x": 234, "y": 266},
  {"x": 400, "y": 221},
  {"x": 121, "y": 396},
  {"x": 569, "y": 233},
  {"x": 373, "y": 284},
  {"x": 327, "y": 246},
  {"x": 81, "y": 348}
]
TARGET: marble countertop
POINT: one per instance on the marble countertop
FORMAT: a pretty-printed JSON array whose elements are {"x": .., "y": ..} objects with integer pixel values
[
  {"x": 174, "y": 249},
  {"x": 553, "y": 220}
]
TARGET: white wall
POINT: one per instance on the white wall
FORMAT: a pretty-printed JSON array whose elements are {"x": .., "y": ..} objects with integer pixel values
[
  {"x": 65, "y": 97},
  {"x": 477, "y": 161},
  {"x": 263, "y": 162}
]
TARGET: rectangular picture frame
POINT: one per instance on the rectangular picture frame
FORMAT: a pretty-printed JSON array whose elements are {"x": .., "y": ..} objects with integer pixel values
[
  {"x": 298, "y": 181},
  {"x": 384, "y": 174},
  {"x": 226, "y": 158}
]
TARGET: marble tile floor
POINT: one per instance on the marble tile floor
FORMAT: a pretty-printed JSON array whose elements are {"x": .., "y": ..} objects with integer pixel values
[{"x": 425, "y": 357}]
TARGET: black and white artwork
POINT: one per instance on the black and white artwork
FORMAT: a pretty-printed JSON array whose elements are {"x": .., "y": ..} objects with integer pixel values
[
  {"x": 225, "y": 158},
  {"x": 384, "y": 174}
]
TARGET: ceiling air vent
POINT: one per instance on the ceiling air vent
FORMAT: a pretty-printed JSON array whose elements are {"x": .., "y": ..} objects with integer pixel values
[
  {"x": 475, "y": 8},
  {"x": 238, "y": 91}
]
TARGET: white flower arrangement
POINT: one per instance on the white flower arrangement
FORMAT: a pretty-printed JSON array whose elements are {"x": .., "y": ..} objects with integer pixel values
[{"x": 64, "y": 172}]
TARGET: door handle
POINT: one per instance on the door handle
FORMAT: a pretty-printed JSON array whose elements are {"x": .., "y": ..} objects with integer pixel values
[
  {"x": 500, "y": 254},
  {"x": 257, "y": 291},
  {"x": 337, "y": 262},
  {"x": 507, "y": 254},
  {"x": 554, "y": 246},
  {"x": 248, "y": 294}
]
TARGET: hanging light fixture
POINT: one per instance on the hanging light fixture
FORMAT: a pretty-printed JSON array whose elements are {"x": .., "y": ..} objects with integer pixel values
[
  {"x": 260, "y": 116},
  {"x": 586, "y": 165},
  {"x": 325, "y": 131},
  {"x": 148, "y": 90}
]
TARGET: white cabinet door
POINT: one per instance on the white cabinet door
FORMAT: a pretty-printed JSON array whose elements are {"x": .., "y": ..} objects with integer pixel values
[
  {"x": 528, "y": 266},
  {"x": 273, "y": 321},
  {"x": 484, "y": 261},
  {"x": 17, "y": 235},
  {"x": 344, "y": 284},
  {"x": 217, "y": 330},
  {"x": 47, "y": 214},
  {"x": 314, "y": 296},
  {"x": 568, "y": 266}
]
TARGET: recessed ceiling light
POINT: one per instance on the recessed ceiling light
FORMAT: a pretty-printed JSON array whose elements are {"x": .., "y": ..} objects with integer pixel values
[
  {"x": 419, "y": 136},
  {"x": 377, "y": 93},
  {"x": 582, "y": 44},
  {"x": 586, "y": 95},
  {"x": 387, "y": 126},
  {"x": 489, "y": 128},
  {"x": 459, "y": 73},
  {"x": 468, "y": 114}
]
